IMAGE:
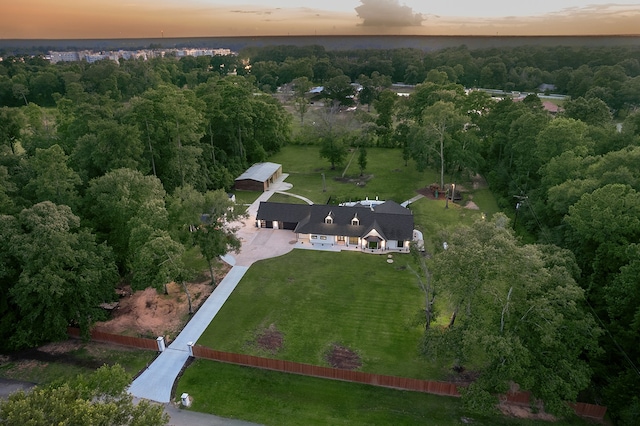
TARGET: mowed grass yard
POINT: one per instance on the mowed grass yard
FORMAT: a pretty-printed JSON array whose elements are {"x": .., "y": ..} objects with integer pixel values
[
  {"x": 317, "y": 299},
  {"x": 386, "y": 175},
  {"x": 279, "y": 399}
]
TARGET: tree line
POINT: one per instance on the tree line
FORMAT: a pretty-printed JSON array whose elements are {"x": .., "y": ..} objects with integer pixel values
[{"x": 115, "y": 170}]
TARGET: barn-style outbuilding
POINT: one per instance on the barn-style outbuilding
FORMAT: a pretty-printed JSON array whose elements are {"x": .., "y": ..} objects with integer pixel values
[{"x": 258, "y": 177}]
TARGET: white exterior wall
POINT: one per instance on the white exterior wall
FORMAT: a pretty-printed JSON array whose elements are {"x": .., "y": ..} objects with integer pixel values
[{"x": 322, "y": 239}]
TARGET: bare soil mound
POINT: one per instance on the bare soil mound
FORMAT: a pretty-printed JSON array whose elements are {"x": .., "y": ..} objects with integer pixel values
[
  {"x": 149, "y": 313},
  {"x": 343, "y": 358}
]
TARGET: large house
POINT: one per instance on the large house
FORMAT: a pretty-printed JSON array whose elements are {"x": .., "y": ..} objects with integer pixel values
[{"x": 371, "y": 228}]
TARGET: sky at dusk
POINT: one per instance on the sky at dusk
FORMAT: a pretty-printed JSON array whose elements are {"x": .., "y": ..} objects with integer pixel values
[{"x": 209, "y": 18}]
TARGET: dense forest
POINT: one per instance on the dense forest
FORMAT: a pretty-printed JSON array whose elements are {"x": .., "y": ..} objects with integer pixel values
[{"x": 106, "y": 167}]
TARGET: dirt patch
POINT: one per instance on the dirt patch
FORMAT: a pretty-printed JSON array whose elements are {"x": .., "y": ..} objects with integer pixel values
[
  {"x": 524, "y": 412},
  {"x": 270, "y": 339},
  {"x": 358, "y": 180},
  {"x": 462, "y": 377},
  {"x": 471, "y": 206},
  {"x": 479, "y": 182},
  {"x": 149, "y": 313},
  {"x": 64, "y": 347},
  {"x": 343, "y": 358}
]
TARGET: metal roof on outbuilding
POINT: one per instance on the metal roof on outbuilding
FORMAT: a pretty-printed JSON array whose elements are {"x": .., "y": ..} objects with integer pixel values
[{"x": 260, "y": 172}]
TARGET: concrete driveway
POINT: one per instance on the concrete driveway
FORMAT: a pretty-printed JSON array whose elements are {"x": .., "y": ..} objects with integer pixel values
[{"x": 156, "y": 382}]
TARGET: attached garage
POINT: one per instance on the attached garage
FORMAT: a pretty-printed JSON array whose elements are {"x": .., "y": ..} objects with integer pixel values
[{"x": 258, "y": 177}]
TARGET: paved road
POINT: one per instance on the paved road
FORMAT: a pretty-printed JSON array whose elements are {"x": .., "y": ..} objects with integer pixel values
[
  {"x": 8, "y": 386},
  {"x": 180, "y": 417}
]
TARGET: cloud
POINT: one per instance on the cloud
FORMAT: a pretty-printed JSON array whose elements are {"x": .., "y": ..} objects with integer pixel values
[{"x": 387, "y": 13}]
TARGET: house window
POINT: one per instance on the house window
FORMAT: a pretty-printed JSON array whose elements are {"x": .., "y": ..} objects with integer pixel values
[
  {"x": 329, "y": 218},
  {"x": 400, "y": 244},
  {"x": 373, "y": 245},
  {"x": 341, "y": 238},
  {"x": 353, "y": 241},
  {"x": 323, "y": 237},
  {"x": 314, "y": 237},
  {"x": 355, "y": 221}
]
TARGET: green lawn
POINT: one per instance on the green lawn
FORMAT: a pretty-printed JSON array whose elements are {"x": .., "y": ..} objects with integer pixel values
[
  {"x": 317, "y": 299},
  {"x": 246, "y": 197},
  {"x": 273, "y": 398},
  {"x": 284, "y": 198},
  {"x": 82, "y": 360},
  {"x": 389, "y": 178}
]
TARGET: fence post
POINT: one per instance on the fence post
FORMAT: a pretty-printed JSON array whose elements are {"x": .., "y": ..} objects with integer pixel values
[{"x": 161, "y": 346}]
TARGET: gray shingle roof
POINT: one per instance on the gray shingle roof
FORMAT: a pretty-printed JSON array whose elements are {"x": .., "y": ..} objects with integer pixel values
[{"x": 392, "y": 221}]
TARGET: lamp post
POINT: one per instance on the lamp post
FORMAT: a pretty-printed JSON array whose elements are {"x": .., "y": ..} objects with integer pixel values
[
  {"x": 446, "y": 199},
  {"x": 446, "y": 196}
]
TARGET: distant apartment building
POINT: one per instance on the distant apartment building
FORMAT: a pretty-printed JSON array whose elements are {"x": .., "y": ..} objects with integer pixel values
[
  {"x": 90, "y": 56},
  {"x": 56, "y": 57}
]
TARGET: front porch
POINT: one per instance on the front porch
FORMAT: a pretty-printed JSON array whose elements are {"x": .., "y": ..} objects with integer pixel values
[{"x": 373, "y": 245}]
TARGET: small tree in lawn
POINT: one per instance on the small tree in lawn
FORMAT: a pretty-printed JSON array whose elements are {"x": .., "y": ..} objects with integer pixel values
[
  {"x": 205, "y": 220},
  {"x": 216, "y": 234},
  {"x": 333, "y": 149},
  {"x": 301, "y": 86},
  {"x": 362, "y": 159}
]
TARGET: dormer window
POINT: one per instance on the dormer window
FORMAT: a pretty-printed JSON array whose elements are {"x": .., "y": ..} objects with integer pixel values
[
  {"x": 355, "y": 221},
  {"x": 329, "y": 218}
]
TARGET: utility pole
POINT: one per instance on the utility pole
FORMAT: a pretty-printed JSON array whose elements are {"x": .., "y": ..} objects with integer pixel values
[{"x": 521, "y": 199}]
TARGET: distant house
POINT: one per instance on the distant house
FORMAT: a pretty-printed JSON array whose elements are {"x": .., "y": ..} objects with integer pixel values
[
  {"x": 372, "y": 229},
  {"x": 258, "y": 177}
]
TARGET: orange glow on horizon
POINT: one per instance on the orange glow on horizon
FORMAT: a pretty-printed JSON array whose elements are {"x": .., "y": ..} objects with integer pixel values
[{"x": 73, "y": 19}]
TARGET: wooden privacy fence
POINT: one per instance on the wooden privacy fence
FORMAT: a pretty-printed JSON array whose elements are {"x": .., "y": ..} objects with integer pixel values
[
  {"x": 438, "y": 388},
  {"x": 591, "y": 411},
  {"x": 596, "y": 412},
  {"x": 136, "y": 342}
]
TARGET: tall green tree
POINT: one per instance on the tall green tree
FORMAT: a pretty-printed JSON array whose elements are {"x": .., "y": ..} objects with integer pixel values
[
  {"x": 385, "y": 105},
  {"x": 52, "y": 179},
  {"x": 301, "y": 87},
  {"x": 115, "y": 200},
  {"x": 339, "y": 91},
  {"x": 362, "y": 159},
  {"x": 517, "y": 315},
  {"x": 64, "y": 275},
  {"x": 208, "y": 220},
  {"x": 12, "y": 123},
  {"x": 591, "y": 111},
  {"x": 439, "y": 124},
  {"x": 97, "y": 399},
  {"x": 171, "y": 122}
]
